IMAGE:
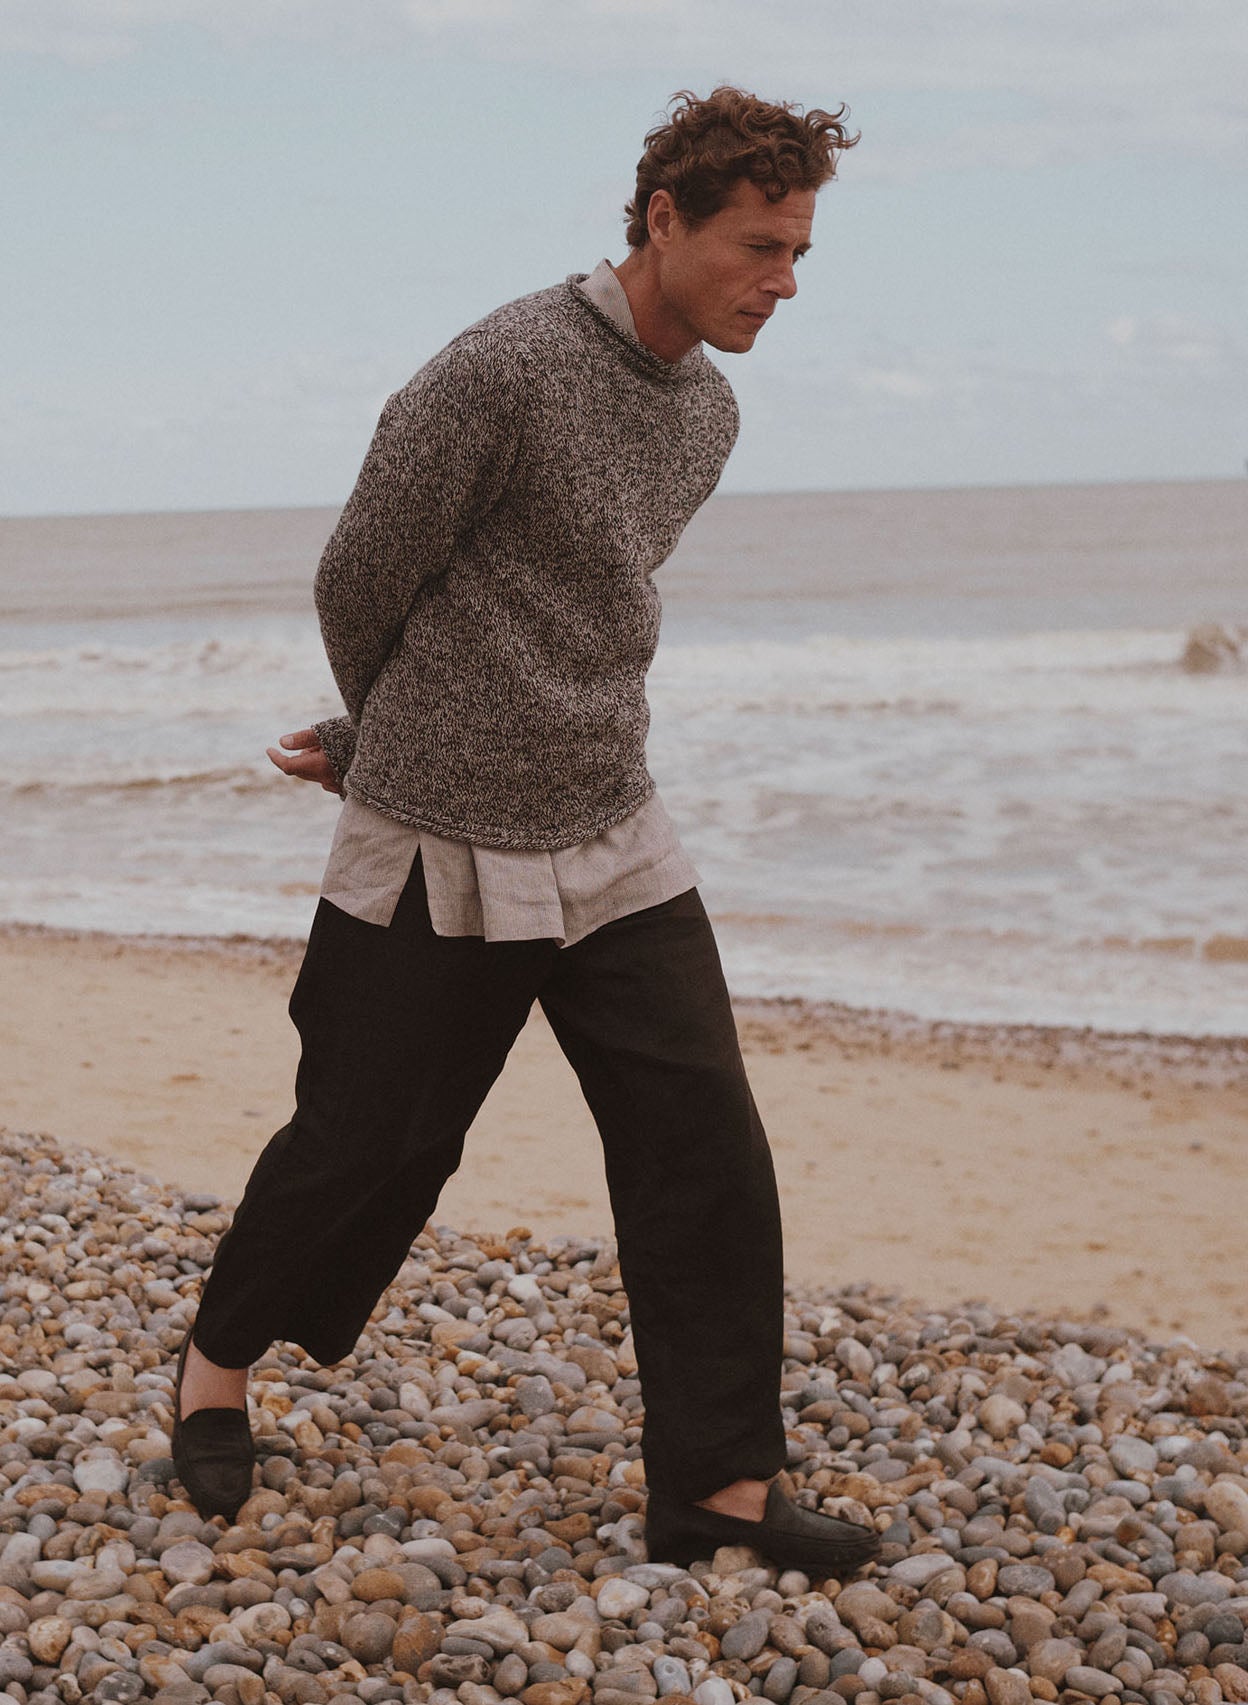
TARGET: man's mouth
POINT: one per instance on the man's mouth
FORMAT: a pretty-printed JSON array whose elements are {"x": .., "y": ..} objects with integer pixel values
[{"x": 758, "y": 319}]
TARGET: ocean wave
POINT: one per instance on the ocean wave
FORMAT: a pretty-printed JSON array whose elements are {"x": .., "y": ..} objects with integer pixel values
[
  {"x": 169, "y": 683},
  {"x": 294, "y": 644},
  {"x": 1004, "y": 677},
  {"x": 817, "y": 677},
  {"x": 82, "y": 787},
  {"x": 210, "y": 656},
  {"x": 1218, "y": 947},
  {"x": 1047, "y": 648},
  {"x": 1226, "y": 949}
]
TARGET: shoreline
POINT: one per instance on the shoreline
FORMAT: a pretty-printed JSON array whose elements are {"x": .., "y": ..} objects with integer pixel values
[
  {"x": 1072, "y": 1173},
  {"x": 1130, "y": 1057}
]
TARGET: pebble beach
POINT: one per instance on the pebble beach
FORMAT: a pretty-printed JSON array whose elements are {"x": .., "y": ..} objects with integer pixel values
[{"x": 454, "y": 1513}]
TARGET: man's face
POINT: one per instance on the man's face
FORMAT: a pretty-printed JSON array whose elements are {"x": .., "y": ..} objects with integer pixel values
[{"x": 724, "y": 277}]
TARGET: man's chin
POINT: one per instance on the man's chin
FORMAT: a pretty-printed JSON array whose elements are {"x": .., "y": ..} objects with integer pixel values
[{"x": 737, "y": 340}]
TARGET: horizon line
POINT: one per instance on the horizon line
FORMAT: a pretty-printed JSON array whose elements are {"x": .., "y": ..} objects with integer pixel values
[{"x": 716, "y": 497}]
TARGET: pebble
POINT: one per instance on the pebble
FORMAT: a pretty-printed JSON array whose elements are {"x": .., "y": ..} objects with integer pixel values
[
  {"x": 1001, "y": 1415},
  {"x": 779, "y": 1680},
  {"x": 372, "y": 1584},
  {"x": 369, "y": 1636},
  {"x": 996, "y": 1643},
  {"x": 511, "y": 1674},
  {"x": 260, "y": 1622},
  {"x": 1007, "y": 1687},
  {"x": 918, "y": 1571},
  {"x": 454, "y": 1516},
  {"x": 47, "y": 1637},
  {"x": 106, "y": 1474},
  {"x": 1096, "y": 1683},
  {"x": 1233, "y": 1680},
  {"x": 500, "y": 1629},
  {"x": 671, "y": 1674},
  {"x": 1184, "y": 1587},
  {"x": 535, "y": 1396},
  {"x": 1027, "y": 1579},
  {"x": 620, "y": 1598},
  {"x": 856, "y": 1358},
  {"x": 1133, "y": 1455},
  {"x": 416, "y": 1641},
  {"x": 187, "y": 1561},
  {"x": 1226, "y": 1502},
  {"x": 1051, "y": 1659},
  {"x": 746, "y": 1638},
  {"x": 560, "y": 1629}
]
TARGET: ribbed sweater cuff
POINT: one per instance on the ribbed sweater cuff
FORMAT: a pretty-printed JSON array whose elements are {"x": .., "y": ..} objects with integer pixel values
[{"x": 337, "y": 737}]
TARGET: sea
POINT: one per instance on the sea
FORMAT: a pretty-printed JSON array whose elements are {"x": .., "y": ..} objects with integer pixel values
[{"x": 933, "y": 752}]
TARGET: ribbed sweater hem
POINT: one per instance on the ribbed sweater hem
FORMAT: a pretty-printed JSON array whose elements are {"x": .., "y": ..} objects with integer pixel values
[{"x": 523, "y": 839}]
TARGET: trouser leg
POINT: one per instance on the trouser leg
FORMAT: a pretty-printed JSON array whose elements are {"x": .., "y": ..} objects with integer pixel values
[
  {"x": 641, "y": 1010},
  {"x": 403, "y": 1032}
]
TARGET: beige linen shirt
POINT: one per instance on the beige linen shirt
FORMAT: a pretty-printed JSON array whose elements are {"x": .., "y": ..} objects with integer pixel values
[{"x": 500, "y": 893}]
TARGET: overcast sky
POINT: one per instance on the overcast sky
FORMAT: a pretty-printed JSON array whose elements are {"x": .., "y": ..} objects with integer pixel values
[{"x": 231, "y": 227}]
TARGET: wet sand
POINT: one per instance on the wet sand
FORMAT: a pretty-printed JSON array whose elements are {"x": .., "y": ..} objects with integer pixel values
[{"x": 1055, "y": 1171}]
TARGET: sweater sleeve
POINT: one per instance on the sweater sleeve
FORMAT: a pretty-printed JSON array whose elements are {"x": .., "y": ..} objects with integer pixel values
[
  {"x": 337, "y": 736},
  {"x": 439, "y": 460}
]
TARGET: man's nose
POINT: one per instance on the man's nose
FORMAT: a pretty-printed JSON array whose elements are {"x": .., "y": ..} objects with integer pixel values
[{"x": 783, "y": 283}]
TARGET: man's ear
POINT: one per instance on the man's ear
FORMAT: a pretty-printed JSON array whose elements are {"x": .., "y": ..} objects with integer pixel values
[{"x": 661, "y": 218}]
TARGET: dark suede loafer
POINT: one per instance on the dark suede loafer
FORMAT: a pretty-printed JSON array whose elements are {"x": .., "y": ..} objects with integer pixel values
[
  {"x": 788, "y": 1536},
  {"x": 212, "y": 1452}
]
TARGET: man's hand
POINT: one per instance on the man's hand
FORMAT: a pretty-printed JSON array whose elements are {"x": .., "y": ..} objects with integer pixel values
[{"x": 305, "y": 758}]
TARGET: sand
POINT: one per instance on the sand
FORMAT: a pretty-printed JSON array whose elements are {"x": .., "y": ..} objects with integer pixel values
[{"x": 1049, "y": 1171}]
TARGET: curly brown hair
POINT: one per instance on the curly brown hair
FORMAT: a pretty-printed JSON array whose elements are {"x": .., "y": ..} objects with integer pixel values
[{"x": 707, "y": 146}]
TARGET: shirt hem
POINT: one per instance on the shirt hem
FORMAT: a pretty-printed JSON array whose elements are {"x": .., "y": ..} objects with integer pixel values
[{"x": 494, "y": 835}]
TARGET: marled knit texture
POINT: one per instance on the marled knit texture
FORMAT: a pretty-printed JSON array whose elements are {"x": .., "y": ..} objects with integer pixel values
[{"x": 486, "y": 599}]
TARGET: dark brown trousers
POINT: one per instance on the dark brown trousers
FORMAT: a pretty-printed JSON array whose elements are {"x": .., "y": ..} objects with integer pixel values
[{"x": 403, "y": 1032}]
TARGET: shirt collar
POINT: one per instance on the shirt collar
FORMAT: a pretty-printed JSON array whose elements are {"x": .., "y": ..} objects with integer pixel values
[{"x": 607, "y": 293}]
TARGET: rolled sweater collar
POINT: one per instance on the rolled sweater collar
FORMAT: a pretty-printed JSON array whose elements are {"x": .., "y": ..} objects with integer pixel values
[{"x": 602, "y": 293}]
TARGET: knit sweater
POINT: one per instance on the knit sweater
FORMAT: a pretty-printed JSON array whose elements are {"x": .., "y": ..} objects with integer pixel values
[{"x": 486, "y": 600}]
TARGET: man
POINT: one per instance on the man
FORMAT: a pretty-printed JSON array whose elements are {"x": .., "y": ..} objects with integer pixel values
[{"x": 487, "y": 607}]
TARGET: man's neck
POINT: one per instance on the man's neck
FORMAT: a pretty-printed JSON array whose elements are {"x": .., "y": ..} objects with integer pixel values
[{"x": 664, "y": 332}]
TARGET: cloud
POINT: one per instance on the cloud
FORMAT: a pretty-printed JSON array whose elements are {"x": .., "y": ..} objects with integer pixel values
[
  {"x": 949, "y": 383},
  {"x": 1171, "y": 341},
  {"x": 1139, "y": 366},
  {"x": 1074, "y": 78},
  {"x": 290, "y": 430},
  {"x": 905, "y": 381},
  {"x": 1161, "y": 399},
  {"x": 1089, "y": 126},
  {"x": 80, "y": 31}
]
